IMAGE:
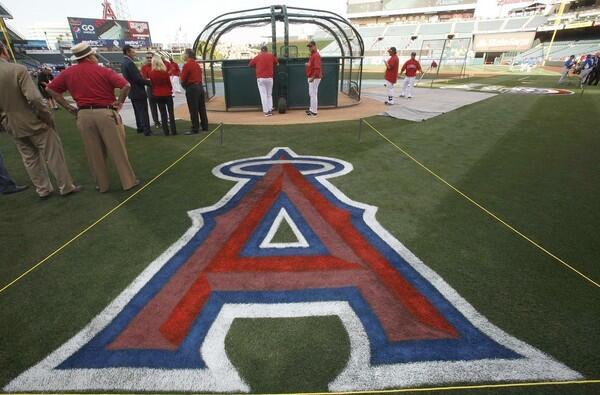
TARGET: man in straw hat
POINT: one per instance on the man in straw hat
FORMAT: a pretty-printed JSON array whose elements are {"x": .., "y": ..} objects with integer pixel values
[
  {"x": 97, "y": 111},
  {"x": 30, "y": 123}
]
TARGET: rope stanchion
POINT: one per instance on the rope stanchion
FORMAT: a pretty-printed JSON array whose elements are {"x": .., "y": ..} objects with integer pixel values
[
  {"x": 485, "y": 210},
  {"x": 110, "y": 212}
]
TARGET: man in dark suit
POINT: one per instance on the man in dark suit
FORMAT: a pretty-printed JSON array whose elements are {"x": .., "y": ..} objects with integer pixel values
[{"x": 137, "y": 95}]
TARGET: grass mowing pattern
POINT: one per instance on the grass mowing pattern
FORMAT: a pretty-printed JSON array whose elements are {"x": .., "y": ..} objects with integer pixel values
[
  {"x": 288, "y": 355},
  {"x": 530, "y": 159}
]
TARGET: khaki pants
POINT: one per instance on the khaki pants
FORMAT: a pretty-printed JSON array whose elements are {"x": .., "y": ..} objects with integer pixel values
[
  {"x": 103, "y": 134},
  {"x": 43, "y": 152}
]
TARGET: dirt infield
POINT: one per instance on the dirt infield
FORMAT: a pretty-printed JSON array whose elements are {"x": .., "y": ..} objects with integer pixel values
[{"x": 216, "y": 114}]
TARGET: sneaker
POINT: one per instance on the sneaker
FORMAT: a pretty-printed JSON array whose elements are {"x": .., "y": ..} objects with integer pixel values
[
  {"x": 409, "y": 97},
  {"x": 389, "y": 103},
  {"x": 157, "y": 125},
  {"x": 308, "y": 112},
  {"x": 311, "y": 114},
  {"x": 268, "y": 114},
  {"x": 191, "y": 132},
  {"x": 402, "y": 95}
]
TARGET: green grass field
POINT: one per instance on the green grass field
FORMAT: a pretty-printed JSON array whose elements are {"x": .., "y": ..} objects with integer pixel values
[{"x": 532, "y": 160}]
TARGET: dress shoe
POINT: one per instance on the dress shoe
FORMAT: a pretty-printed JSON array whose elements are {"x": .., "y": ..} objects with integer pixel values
[
  {"x": 135, "y": 184},
  {"x": 15, "y": 189},
  {"x": 74, "y": 191}
]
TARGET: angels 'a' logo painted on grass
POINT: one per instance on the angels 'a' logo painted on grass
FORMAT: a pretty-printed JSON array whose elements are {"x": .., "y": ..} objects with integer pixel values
[{"x": 406, "y": 326}]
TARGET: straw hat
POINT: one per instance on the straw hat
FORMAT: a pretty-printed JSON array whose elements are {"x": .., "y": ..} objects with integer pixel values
[{"x": 81, "y": 50}]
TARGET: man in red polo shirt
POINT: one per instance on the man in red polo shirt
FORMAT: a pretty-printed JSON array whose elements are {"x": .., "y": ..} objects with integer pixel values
[
  {"x": 173, "y": 69},
  {"x": 98, "y": 120},
  {"x": 191, "y": 80},
  {"x": 264, "y": 63},
  {"x": 391, "y": 74},
  {"x": 314, "y": 73},
  {"x": 411, "y": 67}
]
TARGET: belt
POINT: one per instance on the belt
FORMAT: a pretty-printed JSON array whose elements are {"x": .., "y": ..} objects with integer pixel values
[{"x": 96, "y": 107}]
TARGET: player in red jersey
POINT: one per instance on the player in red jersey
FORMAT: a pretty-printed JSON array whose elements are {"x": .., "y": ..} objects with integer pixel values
[
  {"x": 391, "y": 74},
  {"x": 411, "y": 67}
]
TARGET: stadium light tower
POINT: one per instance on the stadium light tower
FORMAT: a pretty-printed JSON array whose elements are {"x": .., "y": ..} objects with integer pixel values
[{"x": 122, "y": 9}]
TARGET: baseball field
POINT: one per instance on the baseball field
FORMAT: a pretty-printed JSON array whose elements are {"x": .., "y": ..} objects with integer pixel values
[{"x": 499, "y": 198}]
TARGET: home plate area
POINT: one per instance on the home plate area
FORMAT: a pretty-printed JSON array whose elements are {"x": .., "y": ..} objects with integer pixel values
[{"x": 284, "y": 242}]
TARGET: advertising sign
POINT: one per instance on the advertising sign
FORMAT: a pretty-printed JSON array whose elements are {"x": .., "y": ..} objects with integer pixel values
[
  {"x": 110, "y": 33},
  {"x": 503, "y": 42}
]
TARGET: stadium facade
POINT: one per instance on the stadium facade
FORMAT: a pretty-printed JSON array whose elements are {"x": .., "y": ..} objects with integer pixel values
[{"x": 497, "y": 31}]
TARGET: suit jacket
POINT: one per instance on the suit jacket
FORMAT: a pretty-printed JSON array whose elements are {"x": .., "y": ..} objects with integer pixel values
[
  {"x": 134, "y": 77},
  {"x": 22, "y": 106}
]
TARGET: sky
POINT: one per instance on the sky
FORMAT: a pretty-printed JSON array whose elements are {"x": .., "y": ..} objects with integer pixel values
[{"x": 165, "y": 17}]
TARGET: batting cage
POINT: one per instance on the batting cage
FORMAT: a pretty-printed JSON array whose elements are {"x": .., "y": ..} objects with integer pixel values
[
  {"x": 444, "y": 58},
  {"x": 342, "y": 66}
]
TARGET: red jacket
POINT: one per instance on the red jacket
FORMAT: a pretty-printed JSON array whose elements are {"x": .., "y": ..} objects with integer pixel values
[
  {"x": 161, "y": 83},
  {"x": 391, "y": 73},
  {"x": 313, "y": 68},
  {"x": 264, "y": 63},
  {"x": 411, "y": 66},
  {"x": 173, "y": 69},
  {"x": 191, "y": 73}
]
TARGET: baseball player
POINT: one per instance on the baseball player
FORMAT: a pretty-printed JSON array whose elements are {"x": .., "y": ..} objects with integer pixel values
[
  {"x": 391, "y": 74},
  {"x": 568, "y": 65},
  {"x": 264, "y": 63},
  {"x": 410, "y": 68}
]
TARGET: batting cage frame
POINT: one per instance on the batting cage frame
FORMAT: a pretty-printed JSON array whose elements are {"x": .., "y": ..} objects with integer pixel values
[
  {"x": 343, "y": 74},
  {"x": 446, "y": 56}
]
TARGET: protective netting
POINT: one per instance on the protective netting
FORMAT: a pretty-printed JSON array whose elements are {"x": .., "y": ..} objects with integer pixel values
[{"x": 444, "y": 58}]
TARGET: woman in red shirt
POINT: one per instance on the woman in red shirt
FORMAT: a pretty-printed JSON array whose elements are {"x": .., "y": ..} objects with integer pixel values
[{"x": 162, "y": 91}]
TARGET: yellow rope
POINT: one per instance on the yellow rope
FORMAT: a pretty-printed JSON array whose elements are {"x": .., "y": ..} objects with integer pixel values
[
  {"x": 111, "y": 211},
  {"x": 417, "y": 389},
  {"x": 488, "y": 212},
  {"x": 456, "y": 388}
]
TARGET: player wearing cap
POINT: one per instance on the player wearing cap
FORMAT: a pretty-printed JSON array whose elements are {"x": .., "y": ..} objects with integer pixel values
[
  {"x": 391, "y": 74},
  {"x": 264, "y": 63},
  {"x": 314, "y": 73},
  {"x": 411, "y": 67}
]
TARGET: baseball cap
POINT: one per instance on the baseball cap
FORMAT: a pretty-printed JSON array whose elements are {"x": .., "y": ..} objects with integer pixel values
[{"x": 393, "y": 49}]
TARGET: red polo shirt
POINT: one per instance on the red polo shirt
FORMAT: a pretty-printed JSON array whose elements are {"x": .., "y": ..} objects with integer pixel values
[
  {"x": 191, "y": 73},
  {"x": 313, "y": 69},
  {"x": 264, "y": 63},
  {"x": 89, "y": 84},
  {"x": 161, "y": 83},
  {"x": 173, "y": 69},
  {"x": 145, "y": 70},
  {"x": 411, "y": 66},
  {"x": 391, "y": 73}
]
